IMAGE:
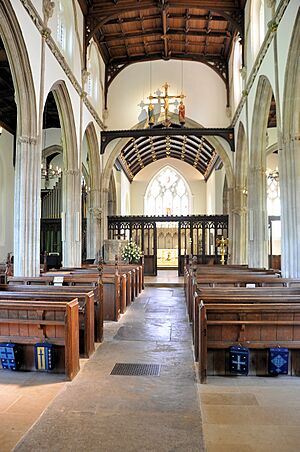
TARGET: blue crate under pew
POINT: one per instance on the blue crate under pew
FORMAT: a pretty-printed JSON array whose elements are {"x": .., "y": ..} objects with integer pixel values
[
  {"x": 43, "y": 355},
  {"x": 239, "y": 359},
  {"x": 10, "y": 356},
  {"x": 278, "y": 361}
]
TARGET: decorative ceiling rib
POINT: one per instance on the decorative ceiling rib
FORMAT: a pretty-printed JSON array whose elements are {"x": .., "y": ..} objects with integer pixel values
[
  {"x": 130, "y": 31},
  {"x": 195, "y": 151}
]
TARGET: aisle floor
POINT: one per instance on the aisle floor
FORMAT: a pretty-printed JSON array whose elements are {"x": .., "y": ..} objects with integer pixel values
[
  {"x": 108, "y": 413},
  {"x": 102, "y": 412}
]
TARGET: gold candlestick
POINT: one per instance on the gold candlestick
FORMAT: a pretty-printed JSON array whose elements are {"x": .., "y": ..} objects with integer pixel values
[{"x": 222, "y": 243}]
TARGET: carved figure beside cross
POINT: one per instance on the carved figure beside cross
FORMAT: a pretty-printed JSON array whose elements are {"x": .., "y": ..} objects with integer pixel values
[{"x": 166, "y": 99}]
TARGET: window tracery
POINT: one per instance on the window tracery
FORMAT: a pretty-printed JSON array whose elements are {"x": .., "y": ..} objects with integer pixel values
[{"x": 167, "y": 194}]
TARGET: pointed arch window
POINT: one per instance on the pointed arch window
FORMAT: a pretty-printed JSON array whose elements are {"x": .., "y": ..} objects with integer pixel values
[{"x": 168, "y": 194}]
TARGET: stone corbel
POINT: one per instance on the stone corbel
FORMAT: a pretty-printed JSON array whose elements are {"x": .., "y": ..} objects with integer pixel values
[
  {"x": 48, "y": 9},
  {"x": 273, "y": 25}
]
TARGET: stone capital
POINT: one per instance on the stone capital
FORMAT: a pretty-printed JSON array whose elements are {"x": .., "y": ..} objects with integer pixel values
[
  {"x": 96, "y": 212},
  {"x": 71, "y": 172},
  {"x": 26, "y": 140}
]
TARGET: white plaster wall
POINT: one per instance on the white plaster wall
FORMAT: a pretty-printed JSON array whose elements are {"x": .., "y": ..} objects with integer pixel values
[
  {"x": 117, "y": 175},
  {"x": 205, "y": 92},
  {"x": 211, "y": 194},
  {"x": 192, "y": 176},
  {"x": 272, "y": 136},
  {"x": 125, "y": 194},
  {"x": 38, "y": 4},
  {"x": 267, "y": 68},
  {"x": 32, "y": 39},
  {"x": 53, "y": 70},
  {"x": 6, "y": 194}
]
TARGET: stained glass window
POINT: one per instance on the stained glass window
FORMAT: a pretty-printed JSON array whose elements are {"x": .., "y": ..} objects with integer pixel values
[{"x": 167, "y": 194}]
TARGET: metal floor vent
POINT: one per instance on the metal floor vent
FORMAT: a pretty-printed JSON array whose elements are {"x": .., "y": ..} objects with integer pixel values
[{"x": 133, "y": 369}]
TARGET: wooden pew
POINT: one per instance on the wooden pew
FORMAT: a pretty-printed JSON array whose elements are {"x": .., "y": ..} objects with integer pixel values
[
  {"x": 238, "y": 296},
  {"x": 113, "y": 287},
  {"x": 86, "y": 309},
  {"x": 28, "y": 323},
  {"x": 256, "y": 326},
  {"x": 236, "y": 279},
  {"x": 72, "y": 284}
]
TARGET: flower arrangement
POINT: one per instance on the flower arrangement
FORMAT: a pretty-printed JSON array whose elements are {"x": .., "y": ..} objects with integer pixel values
[{"x": 131, "y": 253}]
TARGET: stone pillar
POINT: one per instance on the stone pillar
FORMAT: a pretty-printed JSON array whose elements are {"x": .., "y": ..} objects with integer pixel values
[
  {"x": 257, "y": 219},
  {"x": 229, "y": 205},
  {"x": 104, "y": 213},
  {"x": 240, "y": 227},
  {"x": 27, "y": 207},
  {"x": 94, "y": 225},
  {"x": 71, "y": 218},
  {"x": 289, "y": 170}
]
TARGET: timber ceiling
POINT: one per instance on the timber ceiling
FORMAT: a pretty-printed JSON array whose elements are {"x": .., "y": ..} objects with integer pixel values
[
  {"x": 195, "y": 151},
  {"x": 129, "y": 31}
]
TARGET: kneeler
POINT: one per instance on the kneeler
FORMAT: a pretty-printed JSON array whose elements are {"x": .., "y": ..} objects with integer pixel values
[{"x": 239, "y": 360}]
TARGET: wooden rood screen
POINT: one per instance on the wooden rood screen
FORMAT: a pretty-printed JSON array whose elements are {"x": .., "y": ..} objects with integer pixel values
[{"x": 197, "y": 235}]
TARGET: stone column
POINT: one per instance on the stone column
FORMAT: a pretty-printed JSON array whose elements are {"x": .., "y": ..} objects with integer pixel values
[
  {"x": 240, "y": 227},
  {"x": 104, "y": 214},
  {"x": 27, "y": 207},
  {"x": 230, "y": 204},
  {"x": 71, "y": 218},
  {"x": 289, "y": 170},
  {"x": 257, "y": 219},
  {"x": 94, "y": 225}
]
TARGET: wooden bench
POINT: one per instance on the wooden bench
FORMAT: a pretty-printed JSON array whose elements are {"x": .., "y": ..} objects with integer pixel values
[
  {"x": 238, "y": 296},
  {"x": 257, "y": 326},
  {"x": 113, "y": 287},
  {"x": 27, "y": 323},
  {"x": 73, "y": 284},
  {"x": 86, "y": 309}
]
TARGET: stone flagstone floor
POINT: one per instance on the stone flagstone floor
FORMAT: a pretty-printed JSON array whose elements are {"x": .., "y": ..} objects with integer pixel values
[{"x": 101, "y": 412}]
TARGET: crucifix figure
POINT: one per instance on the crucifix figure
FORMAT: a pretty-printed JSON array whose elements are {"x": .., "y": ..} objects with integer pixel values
[{"x": 166, "y": 98}]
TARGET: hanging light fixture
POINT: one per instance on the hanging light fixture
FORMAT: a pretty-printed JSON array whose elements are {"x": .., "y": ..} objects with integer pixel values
[
  {"x": 48, "y": 171},
  {"x": 273, "y": 174}
]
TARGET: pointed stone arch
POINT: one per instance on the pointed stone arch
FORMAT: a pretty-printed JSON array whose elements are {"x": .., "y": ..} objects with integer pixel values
[
  {"x": 71, "y": 182},
  {"x": 289, "y": 160},
  {"x": 258, "y": 221},
  {"x": 239, "y": 212},
  {"x": 27, "y": 167},
  {"x": 94, "y": 211}
]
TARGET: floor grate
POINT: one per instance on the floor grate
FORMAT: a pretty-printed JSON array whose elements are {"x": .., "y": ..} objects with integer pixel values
[{"x": 133, "y": 369}]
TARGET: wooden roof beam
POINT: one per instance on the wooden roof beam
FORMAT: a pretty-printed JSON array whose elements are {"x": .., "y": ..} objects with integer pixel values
[{"x": 164, "y": 11}]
